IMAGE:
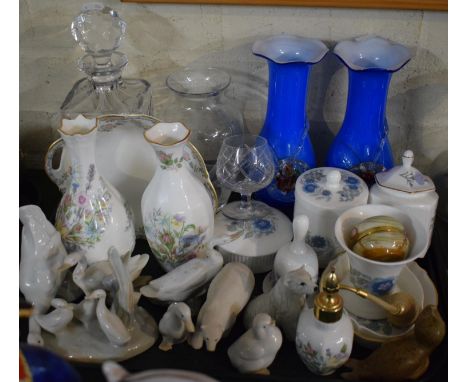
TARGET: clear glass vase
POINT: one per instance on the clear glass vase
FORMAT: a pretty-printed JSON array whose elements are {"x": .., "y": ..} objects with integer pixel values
[
  {"x": 198, "y": 100},
  {"x": 99, "y": 31}
]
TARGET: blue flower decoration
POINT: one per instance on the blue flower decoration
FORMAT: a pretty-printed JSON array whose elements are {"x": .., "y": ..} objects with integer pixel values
[
  {"x": 190, "y": 240},
  {"x": 351, "y": 180},
  {"x": 310, "y": 187},
  {"x": 326, "y": 193},
  {"x": 382, "y": 286},
  {"x": 262, "y": 225},
  {"x": 318, "y": 242},
  {"x": 353, "y": 186}
]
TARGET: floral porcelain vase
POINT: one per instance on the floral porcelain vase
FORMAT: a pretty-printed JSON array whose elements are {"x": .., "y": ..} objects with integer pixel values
[
  {"x": 176, "y": 208},
  {"x": 286, "y": 126},
  {"x": 92, "y": 215},
  {"x": 362, "y": 144}
]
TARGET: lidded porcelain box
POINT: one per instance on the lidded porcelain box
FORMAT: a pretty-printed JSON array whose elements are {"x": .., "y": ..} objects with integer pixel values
[
  {"x": 406, "y": 188},
  {"x": 323, "y": 194}
]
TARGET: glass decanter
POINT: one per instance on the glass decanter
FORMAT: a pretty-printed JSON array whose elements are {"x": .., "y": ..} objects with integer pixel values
[{"x": 99, "y": 30}]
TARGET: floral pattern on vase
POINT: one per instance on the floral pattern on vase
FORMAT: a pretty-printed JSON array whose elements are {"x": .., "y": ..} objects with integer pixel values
[
  {"x": 350, "y": 190},
  {"x": 167, "y": 162},
  {"x": 82, "y": 220},
  {"x": 254, "y": 228},
  {"x": 173, "y": 240},
  {"x": 319, "y": 363},
  {"x": 379, "y": 286}
]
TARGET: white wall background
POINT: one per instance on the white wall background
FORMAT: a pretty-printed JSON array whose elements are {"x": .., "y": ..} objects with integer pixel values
[{"x": 161, "y": 38}]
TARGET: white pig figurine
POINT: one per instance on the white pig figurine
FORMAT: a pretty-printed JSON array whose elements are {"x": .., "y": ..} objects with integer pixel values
[{"x": 227, "y": 295}]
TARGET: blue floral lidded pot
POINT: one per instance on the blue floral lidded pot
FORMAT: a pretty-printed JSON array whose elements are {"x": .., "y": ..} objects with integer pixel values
[{"x": 323, "y": 194}]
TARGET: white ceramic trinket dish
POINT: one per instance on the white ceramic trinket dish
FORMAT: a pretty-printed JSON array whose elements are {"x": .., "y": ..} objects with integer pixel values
[
  {"x": 406, "y": 188},
  {"x": 259, "y": 239},
  {"x": 323, "y": 194}
]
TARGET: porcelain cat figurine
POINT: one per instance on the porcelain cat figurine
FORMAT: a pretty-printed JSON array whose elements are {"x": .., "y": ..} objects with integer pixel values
[
  {"x": 256, "y": 349},
  {"x": 227, "y": 295},
  {"x": 284, "y": 302}
]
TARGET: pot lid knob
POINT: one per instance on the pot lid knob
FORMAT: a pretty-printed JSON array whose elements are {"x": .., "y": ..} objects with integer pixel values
[
  {"x": 333, "y": 179},
  {"x": 407, "y": 159}
]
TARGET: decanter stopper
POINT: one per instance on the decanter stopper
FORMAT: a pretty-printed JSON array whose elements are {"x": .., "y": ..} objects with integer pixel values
[{"x": 99, "y": 30}]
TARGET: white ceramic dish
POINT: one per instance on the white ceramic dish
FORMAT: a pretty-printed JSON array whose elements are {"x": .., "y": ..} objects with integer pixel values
[
  {"x": 126, "y": 160},
  {"x": 413, "y": 279},
  {"x": 260, "y": 239}
]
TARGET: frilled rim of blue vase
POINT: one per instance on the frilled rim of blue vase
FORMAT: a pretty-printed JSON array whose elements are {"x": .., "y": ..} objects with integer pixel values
[
  {"x": 287, "y": 49},
  {"x": 372, "y": 53}
]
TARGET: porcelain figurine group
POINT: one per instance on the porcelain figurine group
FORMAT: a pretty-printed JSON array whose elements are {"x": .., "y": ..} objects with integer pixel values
[{"x": 81, "y": 279}]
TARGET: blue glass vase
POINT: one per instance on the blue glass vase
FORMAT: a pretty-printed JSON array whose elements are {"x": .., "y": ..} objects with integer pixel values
[
  {"x": 286, "y": 126},
  {"x": 362, "y": 144}
]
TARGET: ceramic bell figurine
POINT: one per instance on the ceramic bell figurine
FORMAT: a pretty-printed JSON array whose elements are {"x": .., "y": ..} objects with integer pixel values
[
  {"x": 256, "y": 349},
  {"x": 284, "y": 302},
  {"x": 406, "y": 188},
  {"x": 324, "y": 336},
  {"x": 323, "y": 194},
  {"x": 175, "y": 325},
  {"x": 92, "y": 215},
  {"x": 227, "y": 295},
  {"x": 297, "y": 253},
  {"x": 176, "y": 208}
]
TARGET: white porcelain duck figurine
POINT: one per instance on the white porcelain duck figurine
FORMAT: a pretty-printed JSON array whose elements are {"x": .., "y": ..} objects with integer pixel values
[
  {"x": 256, "y": 349},
  {"x": 175, "y": 325},
  {"x": 56, "y": 320},
  {"x": 110, "y": 323}
]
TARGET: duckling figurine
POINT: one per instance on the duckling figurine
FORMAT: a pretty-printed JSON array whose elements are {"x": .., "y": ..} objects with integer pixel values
[
  {"x": 56, "y": 320},
  {"x": 111, "y": 325},
  {"x": 175, "y": 325},
  {"x": 407, "y": 358},
  {"x": 256, "y": 349}
]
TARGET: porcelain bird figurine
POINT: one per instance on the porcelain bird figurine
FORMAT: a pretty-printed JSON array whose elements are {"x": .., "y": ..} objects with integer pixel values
[
  {"x": 256, "y": 349},
  {"x": 175, "y": 325},
  {"x": 403, "y": 359},
  {"x": 111, "y": 325},
  {"x": 56, "y": 320},
  {"x": 284, "y": 302},
  {"x": 44, "y": 263},
  {"x": 227, "y": 295}
]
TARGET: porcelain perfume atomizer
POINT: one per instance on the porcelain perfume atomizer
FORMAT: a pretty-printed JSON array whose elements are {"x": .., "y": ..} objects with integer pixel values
[{"x": 401, "y": 307}]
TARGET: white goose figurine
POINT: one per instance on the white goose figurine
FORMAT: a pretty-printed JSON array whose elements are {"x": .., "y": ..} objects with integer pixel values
[
  {"x": 110, "y": 323},
  {"x": 44, "y": 263},
  {"x": 175, "y": 325},
  {"x": 256, "y": 349},
  {"x": 85, "y": 311},
  {"x": 56, "y": 320}
]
